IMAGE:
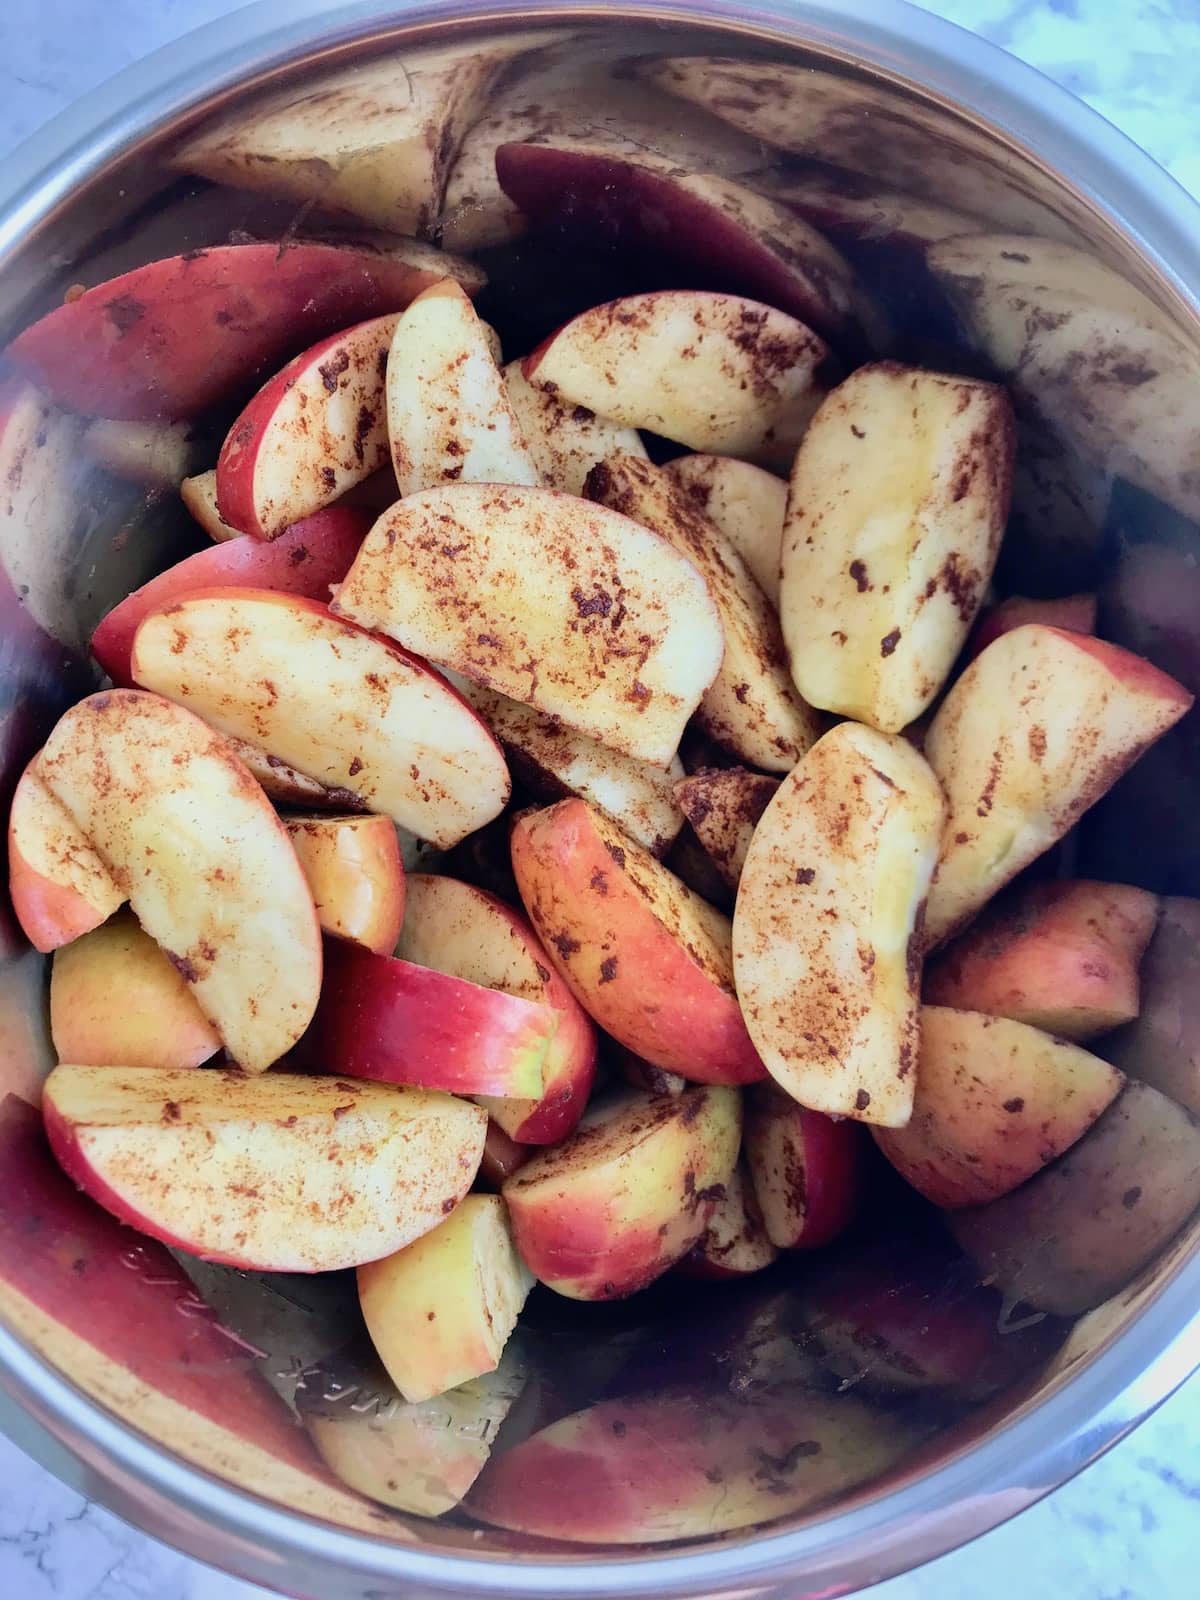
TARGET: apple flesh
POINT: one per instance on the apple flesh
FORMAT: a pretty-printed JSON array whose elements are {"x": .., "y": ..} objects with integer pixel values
[
  {"x": 1061, "y": 955},
  {"x": 714, "y": 372},
  {"x": 747, "y": 504},
  {"x": 564, "y": 441},
  {"x": 398, "y": 1022},
  {"x": 306, "y": 559},
  {"x": 1031, "y": 735},
  {"x": 751, "y": 706},
  {"x": 624, "y": 1197},
  {"x": 441, "y": 1310},
  {"x": 645, "y": 957},
  {"x": 114, "y": 996},
  {"x": 175, "y": 337},
  {"x": 1076, "y": 613},
  {"x": 382, "y": 723},
  {"x": 313, "y": 431},
  {"x": 59, "y": 886},
  {"x": 996, "y": 1100},
  {"x": 827, "y": 920},
  {"x": 1079, "y": 1231},
  {"x": 501, "y": 1158},
  {"x": 463, "y": 931},
  {"x": 1162, "y": 1047},
  {"x": 278, "y": 1173},
  {"x": 806, "y": 1169},
  {"x": 199, "y": 495},
  {"x": 724, "y": 806},
  {"x": 735, "y": 1242},
  {"x": 356, "y": 875},
  {"x": 554, "y": 636},
  {"x": 287, "y": 787}
]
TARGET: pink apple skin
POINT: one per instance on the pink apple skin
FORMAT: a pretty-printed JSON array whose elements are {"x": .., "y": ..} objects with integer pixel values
[
  {"x": 52, "y": 909},
  {"x": 807, "y": 1169},
  {"x": 306, "y": 560},
  {"x": 176, "y": 336},
  {"x": 399, "y": 1023},
  {"x": 1076, "y": 613}
]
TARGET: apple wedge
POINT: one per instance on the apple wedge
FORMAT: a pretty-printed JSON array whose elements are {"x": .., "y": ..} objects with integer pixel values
[
  {"x": 1031, "y": 735},
  {"x": 313, "y": 431},
  {"x": 457, "y": 929},
  {"x": 683, "y": 1465},
  {"x": 724, "y": 805},
  {"x": 278, "y": 1173},
  {"x": 1075, "y": 613},
  {"x": 397, "y": 1022},
  {"x": 735, "y": 1243},
  {"x": 1086, "y": 1224},
  {"x": 41, "y": 489},
  {"x": 210, "y": 872},
  {"x": 883, "y": 570},
  {"x": 356, "y": 875},
  {"x": 59, "y": 887},
  {"x": 341, "y": 705},
  {"x": 374, "y": 141},
  {"x": 570, "y": 608},
  {"x": 501, "y": 1158},
  {"x": 1162, "y": 1047},
  {"x": 287, "y": 787},
  {"x": 306, "y": 560},
  {"x": 158, "y": 454},
  {"x": 996, "y": 1100},
  {"x": 806, "y": 1169},
  {"x": 747, "y": 504},
  {"x": 644, "y": 956},
  {"x": 114, "y": 996},
  {"x": 552, "y": 760},
  {"x": 441, "y": 1310},
  {"x": 709, "y": 230},
  {"x": 449, "y": 418},
  {"x": 75, "y": 1284},
  {"x": 199, "y": 495},
  {"x": 751, "y": 707},
  {"x": 1061, "y": 955},
  {"x": 711, "y": 371},
  {"x": 170, "y": 339},
  {"x": 625, "y": 1196},
  {"x": 564, "y": 441},
  {"x": 828, "y": 919}
]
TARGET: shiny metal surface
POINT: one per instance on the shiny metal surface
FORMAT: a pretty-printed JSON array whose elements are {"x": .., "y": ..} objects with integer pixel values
[{"x": 1121, "y": 1359}]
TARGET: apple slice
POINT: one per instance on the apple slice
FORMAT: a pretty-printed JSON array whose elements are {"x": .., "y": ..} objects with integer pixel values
[
  {"x": 644, "y": 956},
  {"x": 501, "y": 1158},
  {"x": 709, "y": 229},
  {"x": 374, "y": 140},
  {"x": 724, "y": 805},
  {"x": 313, "y": 431},
  {"x": 158, "y": 454},
  {"x": 827, "y": 921},
  {"x": 114, "y": 996},
  {"x": 199, "y": 495},
  {"x": 608, "y": 1210},
  {"x": 354, "y": 869},
  {"x": 1086, "y": 1224},
  {"x": 59, "y": 886},
  {"x": 306, "y": 560},
  {"x": 1061, "y": 955},
  {"x": 279, "y": 1173},
  {"x": 464, "y": 1276},
  {"x": 712, "y": 371},
  {"x": 381, "y": 722},
  {"x": 806, "y": 1169},
  {"x": 747, "y": 504},
  {"x": 118, "y": 1317},
  {"x": 287, "y": 787},
  {"x": 572, "y": 609},
  {"x": 564, "y": 441},
  {"x": 210, "y": 872},
  {"x": 449, "y": 418},
  {"x": 465, "y": 932},
  {"x": 751, "y": 706},
  {"x": 898, "y": 501},
  {"x": 398, "y": 1022},
  {"x": 854, "y": 210},
  {"x": 1162, "y": 1047},
  {"x": 41, "y": 490},
  {"x": 639, "y": 1074},
  {"x": 996, "y": 1100},
  {"x": 1031, "y": 735},
  {"x": 417, "y": 1458},
  {"x": 683, "y": 1465},
  {"x": 552, "y": 760},
  {"x": 735, "y": 1243},
  {"x": 172, "y": 338},
  {"x": 1076, "y": 613}
]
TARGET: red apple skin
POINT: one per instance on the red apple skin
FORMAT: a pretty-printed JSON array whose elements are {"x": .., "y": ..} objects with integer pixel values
[
  {"x": 1075, "y": 613},
  {"x": 396, "y": 1022},
  {"x": 176, "y": 336},
  {"x": 823, "y": 1182},
  {"x": 306, "y": 560}
]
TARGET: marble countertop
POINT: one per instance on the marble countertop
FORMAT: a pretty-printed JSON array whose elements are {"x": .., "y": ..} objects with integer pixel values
[{"x": 1127, "y": 1529}]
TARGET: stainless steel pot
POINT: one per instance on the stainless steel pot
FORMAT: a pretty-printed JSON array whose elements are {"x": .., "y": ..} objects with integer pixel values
[{"x": 970, "y": 126}]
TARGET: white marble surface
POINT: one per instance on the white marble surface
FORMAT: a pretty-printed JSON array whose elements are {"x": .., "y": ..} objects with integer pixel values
[{"x": 1128, "y": 1529}]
